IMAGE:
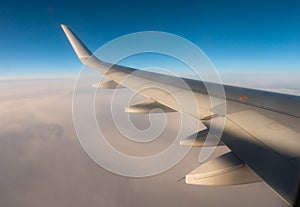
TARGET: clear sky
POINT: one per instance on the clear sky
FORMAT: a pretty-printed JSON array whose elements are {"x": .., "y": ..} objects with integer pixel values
[{"x": 238, "y": 36}]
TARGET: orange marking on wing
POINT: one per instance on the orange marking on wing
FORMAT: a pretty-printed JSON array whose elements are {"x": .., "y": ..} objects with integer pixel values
[{"x": 243, "y": 98}]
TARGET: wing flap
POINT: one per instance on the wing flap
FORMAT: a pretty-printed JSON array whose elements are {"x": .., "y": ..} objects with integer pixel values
[
  {"x": 276, "y": 170},
  {"x": 280, "y": 138}
]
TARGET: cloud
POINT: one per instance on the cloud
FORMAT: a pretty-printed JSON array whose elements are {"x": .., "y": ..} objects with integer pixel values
[
  {"x": 276, "y": 82},
  {"x": 43, "y": 164}
]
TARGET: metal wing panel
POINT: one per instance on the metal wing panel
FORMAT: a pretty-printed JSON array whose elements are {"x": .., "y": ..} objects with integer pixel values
[
  {"x": 278, "y": 137},
  {"x": 277, "y": 171}
]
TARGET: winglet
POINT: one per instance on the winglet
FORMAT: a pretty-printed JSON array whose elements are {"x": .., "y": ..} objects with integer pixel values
[{"x": 80, "y": 49}]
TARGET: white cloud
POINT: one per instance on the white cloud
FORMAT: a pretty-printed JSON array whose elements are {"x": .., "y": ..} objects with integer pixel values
[{"x": 43, "y": 164}]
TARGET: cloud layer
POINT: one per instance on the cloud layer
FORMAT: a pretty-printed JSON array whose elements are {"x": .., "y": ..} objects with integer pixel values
[{"x": 43, "y": 164}]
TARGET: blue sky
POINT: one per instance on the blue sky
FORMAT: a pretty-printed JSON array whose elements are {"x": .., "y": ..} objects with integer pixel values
[{"x": 238, "y": 36}]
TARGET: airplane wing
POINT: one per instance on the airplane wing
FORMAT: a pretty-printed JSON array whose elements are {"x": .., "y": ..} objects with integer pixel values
[{"x": 261, "y": 129}]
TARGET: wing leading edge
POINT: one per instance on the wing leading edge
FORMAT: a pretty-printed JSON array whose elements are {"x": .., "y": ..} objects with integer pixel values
[{"x": 251, "y": 123}]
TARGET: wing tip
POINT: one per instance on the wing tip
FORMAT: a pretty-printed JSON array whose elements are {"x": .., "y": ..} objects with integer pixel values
[
  {"x": 63, "y": 26},
  {"x": 80, "y": 49}
]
